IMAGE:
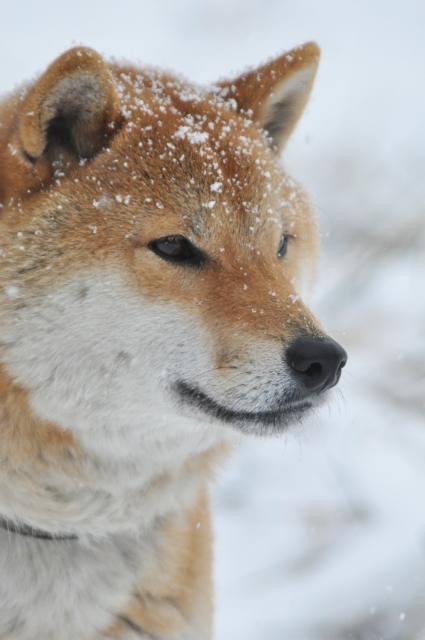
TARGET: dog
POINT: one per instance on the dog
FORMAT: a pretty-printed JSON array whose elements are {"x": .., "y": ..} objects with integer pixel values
[{"x": 154, "y": 259}]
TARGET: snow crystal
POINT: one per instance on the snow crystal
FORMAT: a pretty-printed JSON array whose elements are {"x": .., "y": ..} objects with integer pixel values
[
  {"x": 11, "y": 291},
  {"x": 188, "y": 94},
  {"x": 194, "y": 137}
]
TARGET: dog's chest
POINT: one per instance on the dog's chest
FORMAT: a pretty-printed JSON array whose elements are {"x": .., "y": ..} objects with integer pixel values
[{"x": 63, "y": 589}]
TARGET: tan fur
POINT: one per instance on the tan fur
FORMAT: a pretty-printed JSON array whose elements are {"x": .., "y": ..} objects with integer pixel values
[
  {"x": 97, "y": 161},
  {"x": 25, "y": 439},
  {"x": 181, "y": 589}
]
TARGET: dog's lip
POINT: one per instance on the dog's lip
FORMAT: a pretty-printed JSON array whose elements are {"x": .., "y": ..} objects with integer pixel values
[{"x": 284, "y": 414}]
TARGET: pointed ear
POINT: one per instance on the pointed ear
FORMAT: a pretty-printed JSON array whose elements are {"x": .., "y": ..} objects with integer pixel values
[
  {"x": 71, "y": 111},
  {"x": 275, "y": 95}
]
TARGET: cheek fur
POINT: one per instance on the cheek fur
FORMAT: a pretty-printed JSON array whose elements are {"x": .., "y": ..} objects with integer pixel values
[{"x": 96, "y": 355}]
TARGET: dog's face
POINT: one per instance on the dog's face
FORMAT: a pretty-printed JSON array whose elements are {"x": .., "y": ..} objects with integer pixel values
[{"x": 160, "y": 280}]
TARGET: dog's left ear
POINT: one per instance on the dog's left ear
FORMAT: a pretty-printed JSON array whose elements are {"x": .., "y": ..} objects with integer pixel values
[{"x": 275, "y": 95}]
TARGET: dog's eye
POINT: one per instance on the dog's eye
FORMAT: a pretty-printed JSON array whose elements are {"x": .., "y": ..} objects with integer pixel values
[
  {"x": 177, "y": 249},
  {"x": 283, "y": 246}
]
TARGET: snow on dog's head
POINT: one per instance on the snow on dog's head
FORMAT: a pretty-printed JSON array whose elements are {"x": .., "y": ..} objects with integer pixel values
[{"x": 160, "y": 251}]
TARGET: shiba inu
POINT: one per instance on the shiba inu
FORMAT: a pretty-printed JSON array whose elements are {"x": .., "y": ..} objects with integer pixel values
[{"x": 154, "y": 256}]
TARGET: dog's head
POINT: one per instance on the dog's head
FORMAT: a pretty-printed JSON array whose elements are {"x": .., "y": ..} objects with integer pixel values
[{"x": 155, "y": 255}]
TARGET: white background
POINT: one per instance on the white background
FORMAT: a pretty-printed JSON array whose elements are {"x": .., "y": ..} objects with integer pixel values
[{"x": 321, "y": 534}]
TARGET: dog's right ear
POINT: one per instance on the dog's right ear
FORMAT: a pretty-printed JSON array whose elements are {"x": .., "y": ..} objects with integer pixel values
[{"x": 70, "y": 113}]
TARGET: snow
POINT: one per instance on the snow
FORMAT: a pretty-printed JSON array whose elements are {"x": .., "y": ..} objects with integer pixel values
[{"x": 320, "y": 535}]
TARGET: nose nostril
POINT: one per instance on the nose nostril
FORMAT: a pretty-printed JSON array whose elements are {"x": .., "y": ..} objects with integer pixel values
[{"x": 314, "y": 370}]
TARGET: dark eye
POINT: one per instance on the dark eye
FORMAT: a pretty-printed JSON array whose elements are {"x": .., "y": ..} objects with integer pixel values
[
  {"x": 177, "y": 249},
  {"x": 283, "y": 247}
]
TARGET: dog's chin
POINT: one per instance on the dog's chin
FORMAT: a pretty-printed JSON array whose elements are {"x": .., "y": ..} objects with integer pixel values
[{"x": 259, "y": 422}]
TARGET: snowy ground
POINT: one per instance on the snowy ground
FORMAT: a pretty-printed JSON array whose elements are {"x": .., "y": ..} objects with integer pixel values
[{"x": 320, "y": 535}]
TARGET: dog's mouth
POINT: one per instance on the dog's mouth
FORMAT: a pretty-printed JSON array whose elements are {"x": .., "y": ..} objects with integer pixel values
[{"x": 287, "y": 413}]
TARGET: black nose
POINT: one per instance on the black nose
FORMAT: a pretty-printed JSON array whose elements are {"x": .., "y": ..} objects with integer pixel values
[{"x": 317, "y": 362}]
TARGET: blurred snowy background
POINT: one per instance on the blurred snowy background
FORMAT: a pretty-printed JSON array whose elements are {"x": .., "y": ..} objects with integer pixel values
[{"x": 321, "y": 534}]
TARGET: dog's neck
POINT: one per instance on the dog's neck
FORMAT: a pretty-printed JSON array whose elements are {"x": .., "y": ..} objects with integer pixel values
[{"x": 54, "y": 485}]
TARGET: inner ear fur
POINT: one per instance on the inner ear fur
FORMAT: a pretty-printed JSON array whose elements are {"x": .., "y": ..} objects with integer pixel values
[
  {"x": 71, "y": 111},
  {"x": 275, "y": 94}
]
